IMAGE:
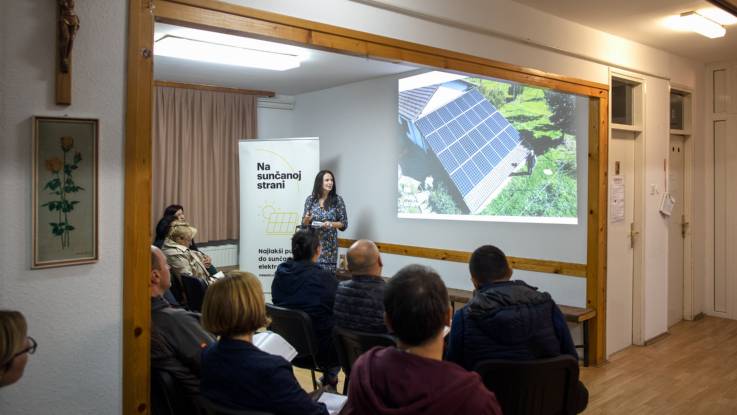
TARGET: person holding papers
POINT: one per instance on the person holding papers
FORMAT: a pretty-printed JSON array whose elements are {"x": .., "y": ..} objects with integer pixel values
[
  {"x": 235, "y": 373},
  {"x": 325, "y": 210}
]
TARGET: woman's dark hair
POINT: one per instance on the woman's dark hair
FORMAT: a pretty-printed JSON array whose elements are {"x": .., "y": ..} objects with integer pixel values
[
  {"x": 171, "y": 210},
  {"x": 162, "y": 228},
  {"x": 416, "y": 304},
  {"x": 304, "y": 244},
  {"x": 317, "y": 188}
]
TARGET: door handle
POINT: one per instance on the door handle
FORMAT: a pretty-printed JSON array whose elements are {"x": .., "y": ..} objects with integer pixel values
[
  {"x": 633, "y": 233},
  {"x": 684, "y": 225}
]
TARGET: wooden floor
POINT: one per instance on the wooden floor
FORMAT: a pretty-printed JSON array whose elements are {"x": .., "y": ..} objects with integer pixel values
[{"x": 692, "y": 371}]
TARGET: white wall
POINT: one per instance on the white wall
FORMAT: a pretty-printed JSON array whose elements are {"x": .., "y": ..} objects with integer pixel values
[
  {"x": 75, "y": 312},
  {"x": 274, "y": 123},
  {"x": 359, "y": 141}
]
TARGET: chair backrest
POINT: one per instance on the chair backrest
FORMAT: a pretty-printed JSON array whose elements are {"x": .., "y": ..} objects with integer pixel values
[
  {"x": 540, "y": 387},
  {"x": 167, "y": 397},
  {"x": 211, "y": 408},
  {"x": 296, "y": 328},
  {"x": 351, "y": 344},
  {"x": 195, "y": 289}
]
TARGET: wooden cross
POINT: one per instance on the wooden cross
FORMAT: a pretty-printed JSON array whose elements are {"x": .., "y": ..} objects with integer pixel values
[{"x": 68, "y": 25}]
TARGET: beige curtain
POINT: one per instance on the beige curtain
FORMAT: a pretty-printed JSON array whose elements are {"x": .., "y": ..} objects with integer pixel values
[{"x": 195, "y": 156}]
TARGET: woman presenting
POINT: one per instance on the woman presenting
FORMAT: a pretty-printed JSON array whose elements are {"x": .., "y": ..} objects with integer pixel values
[{"x": 326, "y": 207}]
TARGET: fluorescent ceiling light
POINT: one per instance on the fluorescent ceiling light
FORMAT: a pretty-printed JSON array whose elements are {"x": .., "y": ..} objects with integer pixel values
[
  {"x": 694, "y": 22},
  {"x": 182, "y": 48},
  {"x": 718, "y": 15}
]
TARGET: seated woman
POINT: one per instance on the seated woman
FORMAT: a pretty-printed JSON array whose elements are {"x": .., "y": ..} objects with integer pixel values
[
  {"x": 175, "y": 213},
  {"x": 301, "y": 284},
  {"x": 15, "y": 346},
  {"x": 235, "y": 373},
  {"x": 180, "y": 257},
  {"x": 172, "y": 213}
]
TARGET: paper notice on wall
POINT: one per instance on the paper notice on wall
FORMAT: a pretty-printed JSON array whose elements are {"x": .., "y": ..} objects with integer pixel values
[{"x": 617, "y": 199}]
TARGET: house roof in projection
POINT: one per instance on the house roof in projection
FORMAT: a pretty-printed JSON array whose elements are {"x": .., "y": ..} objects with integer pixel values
[{"x": 475, "y": 144}]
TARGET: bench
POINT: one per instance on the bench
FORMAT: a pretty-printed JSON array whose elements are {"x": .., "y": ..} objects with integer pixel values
[{"x": 576, "y": 315}]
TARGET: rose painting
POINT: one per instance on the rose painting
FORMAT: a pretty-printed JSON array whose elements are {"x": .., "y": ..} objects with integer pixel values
[{"x": 64, "y": 191}]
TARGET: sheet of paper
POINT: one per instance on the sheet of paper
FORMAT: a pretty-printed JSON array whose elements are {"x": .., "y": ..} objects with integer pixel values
[
  {"x": 334, "y": 402},
  {"x": 275, "y": 344},
  {"x": 617, "y": 201}
]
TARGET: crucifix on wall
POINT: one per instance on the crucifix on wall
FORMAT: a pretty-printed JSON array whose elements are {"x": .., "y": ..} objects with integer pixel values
[{"x": 68, "y": 25}]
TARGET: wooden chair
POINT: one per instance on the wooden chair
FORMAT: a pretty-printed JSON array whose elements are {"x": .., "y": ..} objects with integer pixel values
[
  {"x": 536, "y": 387},
  {"x": 350, "y": 344}
]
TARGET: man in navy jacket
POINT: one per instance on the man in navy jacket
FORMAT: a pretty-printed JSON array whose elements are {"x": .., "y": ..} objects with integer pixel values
[
  {"x": 507, "y": 319},
  {"x": 359, "y": 302},
  {"x": 301, "y": 284}
]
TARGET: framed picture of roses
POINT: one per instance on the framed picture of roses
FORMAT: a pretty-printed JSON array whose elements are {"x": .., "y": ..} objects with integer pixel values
[{"x": 64, "y": 191}]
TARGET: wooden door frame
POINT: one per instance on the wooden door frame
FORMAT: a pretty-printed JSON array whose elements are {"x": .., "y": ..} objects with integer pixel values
[{"x": 234, "y": 19}]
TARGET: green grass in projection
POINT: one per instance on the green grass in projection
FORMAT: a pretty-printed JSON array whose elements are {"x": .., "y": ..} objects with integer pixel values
[{"x": 548, "y": 186}]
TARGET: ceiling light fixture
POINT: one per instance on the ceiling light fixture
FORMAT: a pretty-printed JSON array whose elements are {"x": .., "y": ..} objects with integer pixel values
[
  {"x": 718, "y": 15},
  {"x": 198, "y": 50},
  {"x": 702, "y": 25}
]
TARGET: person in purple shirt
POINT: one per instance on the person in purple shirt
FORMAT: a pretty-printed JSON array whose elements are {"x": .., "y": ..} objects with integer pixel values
[
  {"x": 413, "y": 378},
  {"x": 235, "y": 373}
]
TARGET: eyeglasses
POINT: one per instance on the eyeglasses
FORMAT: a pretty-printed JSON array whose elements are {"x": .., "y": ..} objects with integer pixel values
[{"x": 30, "y": 349}]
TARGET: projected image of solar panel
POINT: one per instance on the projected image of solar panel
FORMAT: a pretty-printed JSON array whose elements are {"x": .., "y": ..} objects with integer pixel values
[{"x": 470, "y": 138}]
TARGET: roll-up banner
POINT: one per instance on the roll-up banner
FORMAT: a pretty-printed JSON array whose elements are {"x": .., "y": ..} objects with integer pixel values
[{"x": 276, "y": 176}]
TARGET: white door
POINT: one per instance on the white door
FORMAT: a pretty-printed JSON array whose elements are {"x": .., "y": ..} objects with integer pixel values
[
  {"x": 725, "y": 220},
  {"x": 676, "y": 231},
  {"x": 620, "y": 253}
]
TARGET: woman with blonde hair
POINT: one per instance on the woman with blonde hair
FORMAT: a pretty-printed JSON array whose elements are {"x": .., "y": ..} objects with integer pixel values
[
  {"x": 15, "y": 346},
  {"x": 235, "y": 373},
  {"x": 180, "y": 257}
]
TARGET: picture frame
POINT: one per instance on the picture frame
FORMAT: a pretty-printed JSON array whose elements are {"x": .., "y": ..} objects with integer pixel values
[{"x": 64, "y": 191}]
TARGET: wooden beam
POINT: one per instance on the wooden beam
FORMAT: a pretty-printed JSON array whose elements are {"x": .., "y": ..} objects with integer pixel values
[
  {"x": 596, "y": 247},
  {"x": 137, "y": 224},
  {"x": 64, "y": 86},
  {"x": 214, "y": 88},
  {"x": 239, "y": 20},
  {"x": 527, "y": 264}
]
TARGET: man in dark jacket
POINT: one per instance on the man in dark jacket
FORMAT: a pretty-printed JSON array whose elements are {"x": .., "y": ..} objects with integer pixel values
[
  {"x": 507, "y": 319},
  {"x": 413, "y": 378},
  {"x": 359, "y": 302},
  {"x": 177, "y": 338},
  {"x": 301, "y": 284}
]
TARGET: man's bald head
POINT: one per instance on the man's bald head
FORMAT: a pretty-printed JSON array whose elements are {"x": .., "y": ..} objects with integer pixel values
[{"x": 363, "y": 258}]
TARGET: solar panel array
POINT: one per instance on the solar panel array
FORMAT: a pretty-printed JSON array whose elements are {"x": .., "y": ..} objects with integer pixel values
[{"x": 470, "y": 138}]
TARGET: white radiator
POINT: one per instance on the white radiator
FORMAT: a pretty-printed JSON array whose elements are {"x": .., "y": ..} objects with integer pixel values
[{"x": 222, "y": 255}]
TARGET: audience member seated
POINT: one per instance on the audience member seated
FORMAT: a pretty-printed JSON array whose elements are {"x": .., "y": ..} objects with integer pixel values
[
  {"x": 172, "y": 213},
  {"x": 177, "y": 338},
  {"x": 15, "y": 346},
  {"x": 413, "y": 379},
  {"x": 507, "y": 319},
  {"x": 301, "y": 284},
  {"x": 359, "y": 302},
  {"x": 182, "y": 259},
  {"x": 235, "y": 373}
]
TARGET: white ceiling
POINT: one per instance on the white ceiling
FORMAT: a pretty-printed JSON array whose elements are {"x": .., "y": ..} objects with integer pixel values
[
  {"x": 321, "y": 70},
  {"x": 641, "y": 21}
]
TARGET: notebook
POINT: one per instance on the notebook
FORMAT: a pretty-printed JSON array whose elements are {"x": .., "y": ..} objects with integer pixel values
[{"x": 272, "y": 343}]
